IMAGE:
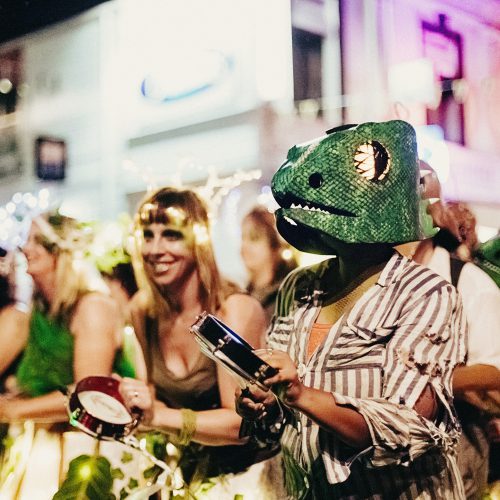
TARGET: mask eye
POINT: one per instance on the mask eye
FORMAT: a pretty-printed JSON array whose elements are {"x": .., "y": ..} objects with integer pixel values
[
  {"x": 315, "y": 180},
  {"x": 372, "y": 161}
]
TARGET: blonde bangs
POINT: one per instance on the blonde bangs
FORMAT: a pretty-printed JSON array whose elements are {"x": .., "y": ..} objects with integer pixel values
[{"x": 185, "y": 209}]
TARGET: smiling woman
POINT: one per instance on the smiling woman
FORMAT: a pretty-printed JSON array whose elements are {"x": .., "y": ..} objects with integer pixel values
[{"x": 194, "y": 398}]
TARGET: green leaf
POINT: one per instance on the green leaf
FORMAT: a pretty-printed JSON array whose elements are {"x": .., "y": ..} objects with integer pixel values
[
  {"x": 126, "y": 457},
  {"x": 150, "y": 472},
  {"x": 296, "y": 480},
  {"x": 156, "y": 443},
  {"x": 117, "y": 473},
  {"x": 89, "y": 478},
  {"x": 133, "y": 483}
]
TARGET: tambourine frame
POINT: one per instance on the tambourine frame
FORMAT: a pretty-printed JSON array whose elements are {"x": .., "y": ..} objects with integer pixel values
[
  {"x": 225, "y": 346},
  {"x": 96, "y": 427}
]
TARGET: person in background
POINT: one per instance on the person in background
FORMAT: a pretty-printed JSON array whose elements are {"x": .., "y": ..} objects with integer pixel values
[
  {"x": 466, "y": 225},
  {"x": 267, "y": 257},
  {"x": 14, "y": 304},
  {"x": 487, "y": 257},
  {"x": 476, "y": 386},
  {"x": 71, "y": 331},
  {"x": 117, "y": 272},
  {"x": 192, "y": 397},
  {"x": 365, "y": 343},
  {"x": 110, "y": 254},
  {"x": 122, "y": 284}
]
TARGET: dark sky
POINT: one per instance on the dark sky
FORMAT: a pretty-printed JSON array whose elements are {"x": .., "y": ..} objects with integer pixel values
[{"x": 19, "y": 17}]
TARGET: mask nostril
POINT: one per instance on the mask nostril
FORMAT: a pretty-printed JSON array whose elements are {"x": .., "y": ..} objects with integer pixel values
[{"x": 315, "y": 180}]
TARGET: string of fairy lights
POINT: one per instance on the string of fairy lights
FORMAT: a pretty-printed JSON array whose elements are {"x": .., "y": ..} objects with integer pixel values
[{"x": 16, "y": 215}]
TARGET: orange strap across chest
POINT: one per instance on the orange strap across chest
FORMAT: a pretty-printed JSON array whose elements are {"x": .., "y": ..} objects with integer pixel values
[{"x": 318, "y": 333}]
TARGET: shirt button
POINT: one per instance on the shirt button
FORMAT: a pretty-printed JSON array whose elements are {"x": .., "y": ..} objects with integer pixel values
[{"x": 301, "y": 370}]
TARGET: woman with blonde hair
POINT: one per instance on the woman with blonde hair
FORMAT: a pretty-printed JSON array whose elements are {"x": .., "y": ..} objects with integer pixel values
[
  {"x": 193, "y": 399},
  {"x": 72, "y": 330}
]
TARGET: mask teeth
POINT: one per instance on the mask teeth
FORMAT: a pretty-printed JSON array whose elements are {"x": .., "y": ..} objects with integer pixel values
[
  {"x": 433, "y": 200},
  {"x": 424, "y": 172},
  {"x": 291, "y": 221}
]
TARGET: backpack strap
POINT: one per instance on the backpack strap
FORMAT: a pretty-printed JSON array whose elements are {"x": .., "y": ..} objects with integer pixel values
[{"x": 456, "y": 266}]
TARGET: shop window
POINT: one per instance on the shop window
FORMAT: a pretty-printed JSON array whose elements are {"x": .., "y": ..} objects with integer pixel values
[
  {"x": 10, "y": 79},
  {"x": 444, "y": 48},
  {"x": 306, "y": 65},
  {"x": 309, "y": 28}
]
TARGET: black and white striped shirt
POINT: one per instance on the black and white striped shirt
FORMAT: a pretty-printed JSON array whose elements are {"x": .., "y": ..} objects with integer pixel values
[{"x": 406, "y": 331}]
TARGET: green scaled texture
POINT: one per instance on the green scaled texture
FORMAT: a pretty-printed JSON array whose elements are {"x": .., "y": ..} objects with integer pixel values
[
  {"x": 488, "y": 258},
  {"x": 357, "y": 184}
]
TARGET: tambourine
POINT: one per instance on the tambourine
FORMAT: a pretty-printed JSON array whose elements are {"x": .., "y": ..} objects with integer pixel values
[
  {"x": 97, "y": 408},
  {"x": 224, "y": 346}
]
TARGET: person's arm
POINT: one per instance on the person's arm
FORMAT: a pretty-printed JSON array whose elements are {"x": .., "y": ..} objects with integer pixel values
[
  {"x": 481, "y": 297},
  {"x": 428, "y": 342},
  {"x": 475, "y": 378},
  {"x": 320, "y": 406},
  {"x": 244, "y": 315},
  {"x": 478, "y": 383},
  {"x": 215, "y": 427},
  {"x": 138, "y": 314},
  {"x": 14, "y": 331},
  {"x": 418, "y": 363},
  {"x": 93, "y": 326}
]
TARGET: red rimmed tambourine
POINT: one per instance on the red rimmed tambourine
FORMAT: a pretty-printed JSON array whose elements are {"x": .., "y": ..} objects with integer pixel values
[
  {"x": 97, "y": 408},
  {"x": 224, "y": 346}
]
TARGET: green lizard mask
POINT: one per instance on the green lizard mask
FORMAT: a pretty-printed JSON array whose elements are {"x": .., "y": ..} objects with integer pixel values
[{"x": 357, "y": 184}]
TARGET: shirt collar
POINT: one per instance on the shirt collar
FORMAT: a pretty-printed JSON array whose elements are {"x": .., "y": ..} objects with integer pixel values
[
  {"x": 393, "y": 269},
  {"x": 310, "y": 284}
]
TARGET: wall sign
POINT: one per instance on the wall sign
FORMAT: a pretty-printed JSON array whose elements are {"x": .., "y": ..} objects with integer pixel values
[{"x": 184, "y": 74}]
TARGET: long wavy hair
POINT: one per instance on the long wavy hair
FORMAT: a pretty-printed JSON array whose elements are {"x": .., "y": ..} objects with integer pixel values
[
  {"x": 186, "y": 210},
  {"x": 284, "y": 255},
  {"x": 65, "y": 238}
]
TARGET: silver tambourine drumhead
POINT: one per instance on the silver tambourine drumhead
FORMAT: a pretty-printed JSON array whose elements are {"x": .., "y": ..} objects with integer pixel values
[
  {"x": 223, "y": 345},
  {"x": 97, "y": 408}
]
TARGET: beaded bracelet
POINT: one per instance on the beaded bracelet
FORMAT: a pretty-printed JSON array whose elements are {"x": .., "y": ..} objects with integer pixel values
[{"x": 188, "y": 428}]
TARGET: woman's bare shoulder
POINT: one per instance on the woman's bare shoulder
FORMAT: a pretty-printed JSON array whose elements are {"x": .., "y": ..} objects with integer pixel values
[
  {"x": 95, "y": 311},
  {"x": 242, "y": 298},
  {"x": 12, "y": 315},
  {"x": 241, "y": 310},
  {"x": 12, "y": 311},
  {"x": 96, "y": 301}
]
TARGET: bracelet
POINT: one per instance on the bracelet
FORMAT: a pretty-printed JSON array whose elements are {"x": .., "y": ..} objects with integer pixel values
[{"x": 188, "y": 428}]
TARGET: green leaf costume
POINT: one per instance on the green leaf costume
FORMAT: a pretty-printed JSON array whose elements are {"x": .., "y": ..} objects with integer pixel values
[
  {"x": 488, "y": 258},
  {"x": 47, "y": 361}
]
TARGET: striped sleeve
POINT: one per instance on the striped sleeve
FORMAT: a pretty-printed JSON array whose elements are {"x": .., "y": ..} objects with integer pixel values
[{"x": 428, "y": 342}]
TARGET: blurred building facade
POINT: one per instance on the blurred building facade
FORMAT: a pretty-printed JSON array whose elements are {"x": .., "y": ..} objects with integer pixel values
[{"x": 157, "y": 91}]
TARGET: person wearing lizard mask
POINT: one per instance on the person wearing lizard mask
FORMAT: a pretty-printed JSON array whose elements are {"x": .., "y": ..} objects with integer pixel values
[{"x": 365, "y": 342}]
